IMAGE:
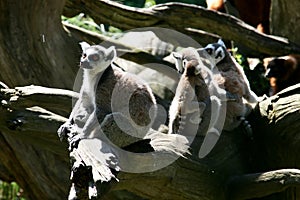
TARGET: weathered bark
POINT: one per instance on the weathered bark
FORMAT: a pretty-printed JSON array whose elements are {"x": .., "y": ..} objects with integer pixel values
[
  {"x": 262, "y": 184},
  {"x": 30, "y": 149},
  {"x": 35, "y": 49},
  {"x": 180, "y": 17},
  {"x": 133, "y": 54},
  {"x": 285, "y": 19},
  {"x": 276, "y": 134},
  {"x": 215, "y": 177}
]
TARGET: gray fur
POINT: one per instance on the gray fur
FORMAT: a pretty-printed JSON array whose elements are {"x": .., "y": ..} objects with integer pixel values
[
  {"x": 126, "y": 93},
  {"x": 94, "y": 60},
  {"x": 191, "y": 103},
  {"x": 230, "y": 76}
]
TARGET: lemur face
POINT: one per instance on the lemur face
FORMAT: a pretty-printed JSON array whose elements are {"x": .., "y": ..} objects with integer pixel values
[
  {"x": 192, "y": 66},
  {"x": 214, "y": 52},
  {"x": 181, "y": 58},
  {"x": 96, "y": 57}
]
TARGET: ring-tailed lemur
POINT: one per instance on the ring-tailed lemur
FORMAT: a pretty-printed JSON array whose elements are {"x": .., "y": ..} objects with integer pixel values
[
  {"x": 233, "y": 79},
  {"x": 197, "y": 105},
  {"x": 94, "y": 60},
  {"x": 116, "y": 91},
  {"x": 193, "y": 91}
]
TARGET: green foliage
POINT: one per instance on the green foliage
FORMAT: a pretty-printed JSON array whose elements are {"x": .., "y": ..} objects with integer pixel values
[
  {"x": 10, "y": 191},
  {"x": 88, "y": 23},
  {"x": 83, "y": 21},
  {"x": 149, "y": 3}
]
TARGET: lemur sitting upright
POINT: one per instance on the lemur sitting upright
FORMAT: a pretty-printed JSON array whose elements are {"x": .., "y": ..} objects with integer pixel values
[
  {"x": 283, "y": 72},
  {"x": 230, "y": 76},
  {"x": 196, "y": 106},
  {"x": 94, "y": 60}
]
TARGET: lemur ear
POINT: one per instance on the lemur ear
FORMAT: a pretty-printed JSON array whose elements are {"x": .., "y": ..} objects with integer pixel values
[
  {"x": 111, "y": 53},
  {"x": 178, "y": 61},
  {"x": 84, "y": 45},
  {"x": 176, "y": 55},
  {"x": 220, "y": 42}
]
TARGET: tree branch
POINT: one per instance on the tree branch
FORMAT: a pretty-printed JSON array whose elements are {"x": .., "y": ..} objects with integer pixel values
[
  {"x": 174, "y": 15},
  {"x": 53, "y": 99},
  {"x": 262, "y": 184},
  {"x": 127, "y": 52}
]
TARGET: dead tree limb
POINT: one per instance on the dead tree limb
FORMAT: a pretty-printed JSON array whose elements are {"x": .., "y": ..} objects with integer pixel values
[
  {"x": 257, "y": 185},
  {"x": 133, "y": 54},
  {"x": 174, "y": 15},
  {"x": 49, "y": 98}
]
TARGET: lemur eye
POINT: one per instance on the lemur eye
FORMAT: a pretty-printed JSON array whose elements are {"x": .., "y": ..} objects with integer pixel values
[
  {"x": 94, "y": 57},
  {"x": 83, "y": 55},
  {"x": 184, "y": 62},
  {"x": 209, "y": 51},
  {"x": 219, "y": 54}
]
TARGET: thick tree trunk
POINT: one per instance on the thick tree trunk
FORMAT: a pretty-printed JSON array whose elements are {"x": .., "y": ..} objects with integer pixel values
[
  {"x": 34, "y": 47},
  {"x": 285, "y": 19}
]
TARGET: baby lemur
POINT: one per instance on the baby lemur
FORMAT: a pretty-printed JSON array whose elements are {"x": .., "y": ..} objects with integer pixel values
[{"x": 230, "y": 76}]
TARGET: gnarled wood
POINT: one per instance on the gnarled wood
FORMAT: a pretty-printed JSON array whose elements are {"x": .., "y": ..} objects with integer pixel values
[
  {"x": 189, "y": 178},
  {"x": 256, "y": 185},
  {"x": 181, "y": 16}
]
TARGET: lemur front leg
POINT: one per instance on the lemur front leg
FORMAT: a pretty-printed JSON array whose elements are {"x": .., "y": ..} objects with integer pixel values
[
  {"x": 65, "y": 128},
  {"x": 77, "y": 133}
]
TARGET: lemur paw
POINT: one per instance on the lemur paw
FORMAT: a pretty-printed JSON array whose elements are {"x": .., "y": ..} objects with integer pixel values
[
  {"x": 247, "y": 127},
  {"x": 74, "y": 141},
  {"x": 64, "y": 130}
]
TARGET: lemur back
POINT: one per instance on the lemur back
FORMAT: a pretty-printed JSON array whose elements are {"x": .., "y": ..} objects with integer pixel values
[
  {"x": 235, "y": 79},
  {"x": 141, "y": 102}
]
